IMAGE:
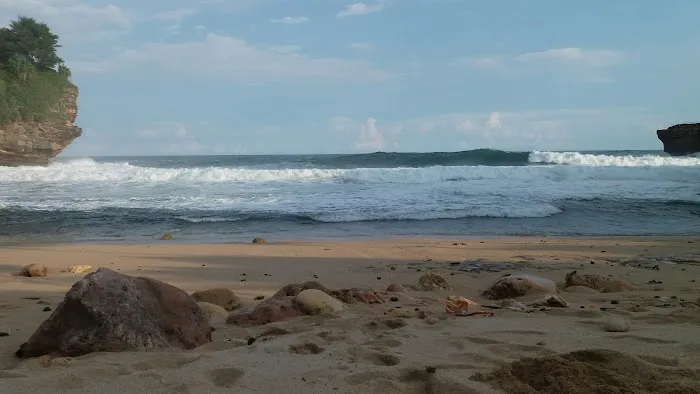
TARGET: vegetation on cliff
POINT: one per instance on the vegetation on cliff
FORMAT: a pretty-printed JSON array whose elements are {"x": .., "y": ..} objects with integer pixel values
[{"x": 32, "y": 76}]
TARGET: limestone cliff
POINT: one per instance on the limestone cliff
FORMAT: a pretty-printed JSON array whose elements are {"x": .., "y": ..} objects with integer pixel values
[
  {"x": 681, "y": 139},
  {"x": 24, "y": 143}
]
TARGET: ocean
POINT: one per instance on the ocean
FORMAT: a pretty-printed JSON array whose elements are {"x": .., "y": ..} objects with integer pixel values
[{"x": 332, "y": 197}]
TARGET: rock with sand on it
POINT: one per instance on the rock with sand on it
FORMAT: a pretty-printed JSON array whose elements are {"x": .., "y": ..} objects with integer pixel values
[
  {"x": 34, "y": 271},
  {"x": 601, "y": 283},
  {"x": 433, "y": 282},
  {"x": 590, "y": 371},
  {"x": 224, "y": 298},
  {"x": 212, "y": 311},
  {"x": 166, "y": 237},
  {"x": 550, "y": 300},
  {"x": 519, "y": 285},
  {"x": 259, "y": 241},
  {"x": 268, "y": 311},
  {"x": 78, "y": 269},
  {"x": 108, "y": 311},
  {"x": 351, "y": 296},
  {"x": 316, "y": 302},
  {"x": 291, "y": 290},
  {"x": 616, "y": 324}
]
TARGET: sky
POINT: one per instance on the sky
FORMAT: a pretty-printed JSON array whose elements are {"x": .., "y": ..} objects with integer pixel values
[{"x": 175, "y": 77}]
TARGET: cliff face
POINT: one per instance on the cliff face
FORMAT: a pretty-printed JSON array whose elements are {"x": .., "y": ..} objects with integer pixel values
[
  {"x": 681, "y": 139},
  {"x": 34, "y": 143}
]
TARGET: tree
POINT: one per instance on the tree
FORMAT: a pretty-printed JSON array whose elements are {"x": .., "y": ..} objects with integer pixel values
[
  {"x": 33, "y": 40},
  {"x": 20, "y": 67},
  {"x": 64, "y": 71}
]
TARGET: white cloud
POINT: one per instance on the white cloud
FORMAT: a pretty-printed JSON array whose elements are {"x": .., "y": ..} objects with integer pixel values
[
  {"x": 71, "y": 19},
  {"x": 175, "y": 18},
  {"x": 494, "y": 121},
  {"x": 575, "y": 56},
  {"x": 362, "y": 45},
  {"x": 482, "y": 62},
  {"x": 357, "y": 9},
  {"x": 290, "y": 20},
  {"x": 370, "y": 138},
  {"x": 234, "y": 60}
]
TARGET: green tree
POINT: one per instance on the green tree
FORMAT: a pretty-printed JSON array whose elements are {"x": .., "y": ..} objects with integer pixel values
[
  {"x": 20, "y": 67},
  {"x": 64, "y": 71},
  {"x": 32, "y": 39}
]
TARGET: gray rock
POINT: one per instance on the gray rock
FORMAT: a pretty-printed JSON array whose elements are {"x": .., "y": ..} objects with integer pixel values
[{"x": 615, "y": 324}]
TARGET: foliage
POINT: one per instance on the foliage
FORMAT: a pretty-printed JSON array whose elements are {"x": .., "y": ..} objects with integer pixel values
[{"x": 32, "y": 76}]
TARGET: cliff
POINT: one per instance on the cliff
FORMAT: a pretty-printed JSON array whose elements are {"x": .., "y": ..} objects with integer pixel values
[
  {"x": 34, "y": 143},
  {"x": 681, "y": 139}
]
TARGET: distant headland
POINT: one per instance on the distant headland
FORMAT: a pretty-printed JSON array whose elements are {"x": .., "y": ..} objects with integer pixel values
[{"x": 38, "y": 102}]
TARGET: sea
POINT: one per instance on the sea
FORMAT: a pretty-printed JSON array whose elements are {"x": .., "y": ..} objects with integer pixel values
[{"x": 477, "y": 193}]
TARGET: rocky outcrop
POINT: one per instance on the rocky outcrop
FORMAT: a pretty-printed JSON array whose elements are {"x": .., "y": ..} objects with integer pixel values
[
  {"x": 681, "y": 139},
  {"x": 34, "y": 143}
]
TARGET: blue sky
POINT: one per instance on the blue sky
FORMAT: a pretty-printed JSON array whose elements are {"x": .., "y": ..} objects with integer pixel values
[{"x": 335, "y": 76}]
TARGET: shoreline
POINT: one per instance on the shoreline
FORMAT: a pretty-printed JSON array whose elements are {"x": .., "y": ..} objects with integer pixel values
[{"x": 357, "y": 350}]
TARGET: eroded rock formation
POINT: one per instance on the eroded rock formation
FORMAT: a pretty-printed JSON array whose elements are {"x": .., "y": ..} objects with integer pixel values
[
  {"x": 681, "y": 139},
  {"x": 34, "y": 143}
]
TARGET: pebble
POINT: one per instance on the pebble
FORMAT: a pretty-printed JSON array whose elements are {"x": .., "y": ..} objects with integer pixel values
[
  {"x": 47, "y": 309},
  {"x": 614, "y": 302},
  {"x": 616, "y": 325},
  {"x": 432, "y": 320},
  {"x": 4, "y": 331},
  {"x": 258, "y": 298}
]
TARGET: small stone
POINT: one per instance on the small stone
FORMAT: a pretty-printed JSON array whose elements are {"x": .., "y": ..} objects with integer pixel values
[
  {"x": 432, "y": 282},
  {"x": 4, "y": 331},
  {"x": 258, "y": 298},
  {"x": 47, "y": 309},
  {"x": 251, "y": 341},
  {"x": 616, "y": 325},
  {"x": 379, "y": 278},
  {"x": 614, "y": 302},
  {"x": 430, "y": 369},
  {"x": 395, "y": 323},
  {"x": 166, "y": 237},
  {"x": 316, "y": 302},
  {"x": 34, "y": 271},
  {"x": 78, "y": 269},
  {"x": 540, "y": 343},
  {"x": 395, "y": 288},
  {"x": 394, "y": 299},
  {"x": 259, "y": 241},
  {"x": 431, "y": 319}
]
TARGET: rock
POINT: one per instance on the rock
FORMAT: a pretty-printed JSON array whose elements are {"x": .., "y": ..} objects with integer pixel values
[
  {"x": 518, "y": 285},
  {"x": 224, "y": 298},
  {"x": 601, "y": 283},
  {"x": 293, "y": 289},
  {"x": 269, "y": 311},
  {"x": 259, "y": 241},
  {"x": 34, "y": 271},
  {"x": 432, "y": 320},
  {"x": 616, "y": 325},
  {"x": 550, "y": 300},
  {"x": 110, "y": 312},
  {"x": 28, "y": 142},
  {"x": 350, "y": 296},
  {"x": 516, "y": 306},
  {"x": 581, "y": 290},
  {"x": 317, "y": 302},
  {"x": 4, "y": 331},
  {"x": 78, "y": 269},
  {"x": 395, "y": 288},
  {"x": 212, "y": 311},
  {"x": 681, "y": 139},
  {"x": 166, "y": 236},
  {"x": 432, "y": 282}
]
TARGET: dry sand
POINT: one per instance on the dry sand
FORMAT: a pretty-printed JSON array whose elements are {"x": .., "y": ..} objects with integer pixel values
[{"x": 380, "y": 348}]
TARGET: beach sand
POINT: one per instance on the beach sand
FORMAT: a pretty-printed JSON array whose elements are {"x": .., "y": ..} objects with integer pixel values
[{"x": 377, "y": 348}]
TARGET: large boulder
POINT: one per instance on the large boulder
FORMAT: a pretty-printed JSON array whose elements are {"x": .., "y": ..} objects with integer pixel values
[
  {"x": 519, "y": 285},
  {"x": 603, "y": 284},
  {"x": 34, "y": 271},
  {"x": 291, "y": 290},
  {"x": 681, "y": 139},
  {"x": 108, "y": 311}
]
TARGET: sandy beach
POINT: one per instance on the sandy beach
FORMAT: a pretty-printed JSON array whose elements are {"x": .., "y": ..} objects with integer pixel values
[{"x": 408, "y": 344}]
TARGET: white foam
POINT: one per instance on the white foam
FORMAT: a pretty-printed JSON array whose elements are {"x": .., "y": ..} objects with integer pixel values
[{"x": 587, "y": 159}]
